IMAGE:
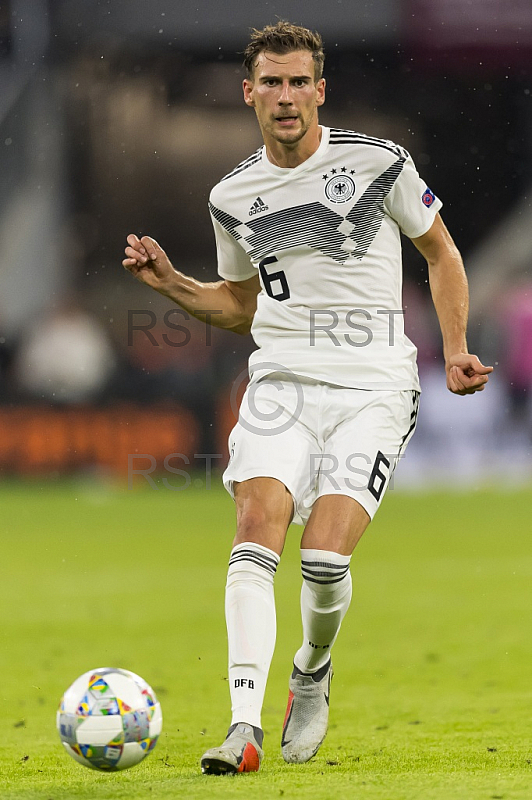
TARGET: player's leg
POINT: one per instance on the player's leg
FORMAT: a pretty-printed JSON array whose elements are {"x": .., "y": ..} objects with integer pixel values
[
  {"x": 363, "y": 449},
  {"x": 335, "y": 526},
  {"x": 264, "y": 509},
  {"x": 337, "y": 523},
  {"x": 268, "y": 453}
]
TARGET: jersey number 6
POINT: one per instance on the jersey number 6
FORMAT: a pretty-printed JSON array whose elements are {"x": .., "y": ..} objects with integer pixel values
[{"x": 269, "y": 278}]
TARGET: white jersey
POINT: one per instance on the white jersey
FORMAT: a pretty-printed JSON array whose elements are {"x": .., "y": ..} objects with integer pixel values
[{"x": 325, "y": 240}]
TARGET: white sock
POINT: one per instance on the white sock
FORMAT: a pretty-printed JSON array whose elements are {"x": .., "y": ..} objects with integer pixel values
[
  {"x": 325, "y": 598},
  {"x": 251, "y": 627}
]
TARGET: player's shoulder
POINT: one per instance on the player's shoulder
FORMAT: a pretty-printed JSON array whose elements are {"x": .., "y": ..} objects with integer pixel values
[
  {"x": 241, "y": 171},
  {"x": 340, "y": 136}
]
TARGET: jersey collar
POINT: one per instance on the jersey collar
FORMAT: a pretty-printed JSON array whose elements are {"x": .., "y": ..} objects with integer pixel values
[{"x": 292, "y": 172}]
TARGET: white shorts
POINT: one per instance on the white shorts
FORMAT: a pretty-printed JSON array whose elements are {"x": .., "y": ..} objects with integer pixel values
[{"x": 319, "y": 439}]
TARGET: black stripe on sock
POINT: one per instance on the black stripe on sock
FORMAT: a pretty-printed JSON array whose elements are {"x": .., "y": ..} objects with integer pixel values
[
  {"x": 249, "y": 551},
  {"x": 316, "y": 574},
  {"x": 256, "y": 554},
  {"x": 254, "y": 560},
  {"x": 324, "y": 564},
  {"x": 315, "y": 580}
]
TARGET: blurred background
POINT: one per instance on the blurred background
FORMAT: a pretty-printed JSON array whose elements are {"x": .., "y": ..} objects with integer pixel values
[{"x": 118, "y": 116}]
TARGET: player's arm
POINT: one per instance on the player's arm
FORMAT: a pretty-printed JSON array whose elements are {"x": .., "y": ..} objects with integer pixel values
[
  {"x": 448, "y": 285},
  {"x": 225, "y": 304}
]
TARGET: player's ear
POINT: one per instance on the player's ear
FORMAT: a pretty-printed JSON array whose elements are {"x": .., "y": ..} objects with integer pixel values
[
  {"x": 247, "y": 87},
  {"x": 320, "y": 92}
]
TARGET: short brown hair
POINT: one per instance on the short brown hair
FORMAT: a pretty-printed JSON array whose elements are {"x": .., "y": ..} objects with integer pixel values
[{"x": 281, "y": 38}]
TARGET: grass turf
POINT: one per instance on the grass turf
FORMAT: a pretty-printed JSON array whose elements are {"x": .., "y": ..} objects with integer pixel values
[{"x": 432, "y": 693}]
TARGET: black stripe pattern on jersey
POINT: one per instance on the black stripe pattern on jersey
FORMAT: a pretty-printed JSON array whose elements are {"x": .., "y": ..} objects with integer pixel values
[
  {"x": 226, "y": 221},
  {"x": 312, "y": 224},
  {"x": 256, "y": 556},
  {"x": 367, "y": 214},
  {"x": 323, "y": 572},
  {"x": 315, "y": 225},
  {"x": 248, "y": 162},
  {"x": 338, "y": 136}
]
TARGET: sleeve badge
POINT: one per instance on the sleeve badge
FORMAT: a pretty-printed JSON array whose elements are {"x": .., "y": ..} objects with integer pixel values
[{"x": 427, "y": 198}]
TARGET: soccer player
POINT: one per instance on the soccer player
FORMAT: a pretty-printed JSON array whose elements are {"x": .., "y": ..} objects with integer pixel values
[{"x": 308, "y": 243}]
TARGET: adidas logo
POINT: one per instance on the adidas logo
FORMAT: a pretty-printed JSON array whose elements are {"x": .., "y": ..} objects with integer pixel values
[{"x": 258, "y": 206}]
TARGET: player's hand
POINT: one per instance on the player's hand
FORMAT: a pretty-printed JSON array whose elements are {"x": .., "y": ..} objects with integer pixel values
[
  {"x": 148, "y": 262},
  {"x": 466, "y": 374}
]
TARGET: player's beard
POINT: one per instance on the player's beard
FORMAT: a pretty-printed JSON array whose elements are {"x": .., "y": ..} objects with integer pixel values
[{"x": 290, "y": 137}]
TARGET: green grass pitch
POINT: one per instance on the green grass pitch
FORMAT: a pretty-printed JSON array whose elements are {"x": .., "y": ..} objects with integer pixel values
[{"x": 432, "y": 695}]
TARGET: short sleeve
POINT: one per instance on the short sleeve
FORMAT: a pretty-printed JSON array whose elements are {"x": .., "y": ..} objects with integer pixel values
[
  {"x": 411, "y": 203},
  {"x": 233, "y": 262}
]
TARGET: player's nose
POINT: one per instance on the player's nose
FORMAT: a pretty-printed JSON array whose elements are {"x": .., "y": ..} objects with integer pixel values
[{"x": 286, "y": 95}]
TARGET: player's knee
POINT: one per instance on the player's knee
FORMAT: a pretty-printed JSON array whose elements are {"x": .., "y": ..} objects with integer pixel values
[
  {"x": 252, "y": 523},
  {"x": 255, "y": 524}
]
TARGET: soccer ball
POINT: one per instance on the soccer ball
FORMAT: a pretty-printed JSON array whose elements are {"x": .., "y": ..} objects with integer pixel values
[{"x": 109, "y": 719}]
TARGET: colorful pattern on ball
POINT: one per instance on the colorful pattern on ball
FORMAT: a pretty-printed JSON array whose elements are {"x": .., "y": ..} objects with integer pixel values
[{"x": 109, "y": 719}]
